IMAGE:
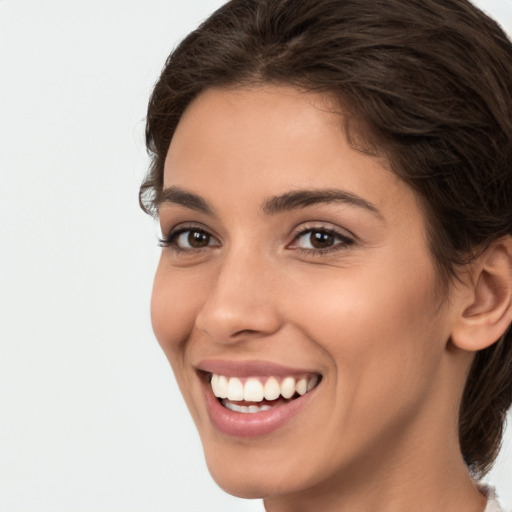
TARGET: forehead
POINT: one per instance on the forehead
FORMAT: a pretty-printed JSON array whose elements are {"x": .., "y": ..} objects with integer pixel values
[
  {"x": 246, "y": 143},
  {"x": 275, "y": 118}
]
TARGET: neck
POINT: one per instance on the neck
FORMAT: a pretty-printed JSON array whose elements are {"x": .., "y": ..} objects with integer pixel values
[{"x": 397, "y": 486}]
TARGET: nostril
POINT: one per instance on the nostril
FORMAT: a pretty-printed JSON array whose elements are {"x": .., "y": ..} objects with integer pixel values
[{"x": 244, "y": 332}]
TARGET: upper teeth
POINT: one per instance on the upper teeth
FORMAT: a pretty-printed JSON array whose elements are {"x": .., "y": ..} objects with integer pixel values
[{"x": 258, "y": 389}]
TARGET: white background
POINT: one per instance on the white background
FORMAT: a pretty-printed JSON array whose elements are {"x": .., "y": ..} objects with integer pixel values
[{"x": 90, "y": 418}]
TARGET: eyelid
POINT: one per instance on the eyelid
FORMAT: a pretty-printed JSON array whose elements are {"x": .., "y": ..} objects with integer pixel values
[
  {"x": 177, "y": 230},
  {"x": 345, "y": 236},
  {"x": 323, "y": 226}
]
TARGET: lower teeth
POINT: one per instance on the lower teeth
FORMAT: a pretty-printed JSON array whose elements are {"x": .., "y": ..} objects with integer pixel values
[{"x": 246, "y": 409}]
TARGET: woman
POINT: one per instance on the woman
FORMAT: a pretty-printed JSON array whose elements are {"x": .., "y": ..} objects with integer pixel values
[{"x": 333, "y": 183}]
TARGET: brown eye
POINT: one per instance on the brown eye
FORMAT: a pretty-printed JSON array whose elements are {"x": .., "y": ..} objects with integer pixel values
[
  {"x": 190, "y": 239},
  {"x": 198, "y": 239},
  {"x": 321, "y": 239}
]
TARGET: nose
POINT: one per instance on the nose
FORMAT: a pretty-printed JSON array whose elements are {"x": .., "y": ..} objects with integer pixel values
[{"x": 242, "y": 301}]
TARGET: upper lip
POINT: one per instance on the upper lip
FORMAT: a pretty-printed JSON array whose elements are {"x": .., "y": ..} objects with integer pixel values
[{"x": 250, "y": 368}]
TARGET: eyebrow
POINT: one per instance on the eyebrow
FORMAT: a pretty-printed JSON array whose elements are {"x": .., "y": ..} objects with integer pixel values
[
  {"x": 176, "y": 195},
  {"x": 277, "y": 204},
  {"x": 302, "y": 198}
]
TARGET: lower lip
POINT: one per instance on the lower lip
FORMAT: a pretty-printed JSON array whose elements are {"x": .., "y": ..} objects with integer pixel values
[{"x": 240, "y": 424}]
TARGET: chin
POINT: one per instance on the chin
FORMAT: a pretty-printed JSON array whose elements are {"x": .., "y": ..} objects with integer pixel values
[
  {"x": 251, "y": 481},
  {"x": 257, "y": 470}
]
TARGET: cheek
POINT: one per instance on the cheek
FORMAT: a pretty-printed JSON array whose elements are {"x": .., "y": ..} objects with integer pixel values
[
  {"x": 378, "y": 327},
  {"x": 175, "y": 302}
]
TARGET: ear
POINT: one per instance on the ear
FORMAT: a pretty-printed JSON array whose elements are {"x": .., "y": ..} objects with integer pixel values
[{"x": 486, "y": 302}]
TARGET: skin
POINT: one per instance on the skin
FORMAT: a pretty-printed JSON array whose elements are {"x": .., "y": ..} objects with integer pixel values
[{"x": 380, "y": 432}]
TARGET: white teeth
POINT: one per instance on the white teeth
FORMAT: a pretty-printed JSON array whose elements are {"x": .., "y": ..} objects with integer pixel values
[
  {"x": 215, "y": 384},
  {"x": 235, "y": 389},
  {"x": 302, "y": 386},
  {"x": 272, "y": 389},
  {"x": 253, "y": 391},
  {"x": 247, "y": 409},
  {"x": 223, "y": 386},
  {"x": 256, "y": 390},
  {"x": 288, "y": 387},
  {"x": 219, "y": 386}
]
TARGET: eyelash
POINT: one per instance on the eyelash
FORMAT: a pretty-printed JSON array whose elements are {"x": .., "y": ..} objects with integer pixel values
[
  {"x": 170, "y": 240},
  {"x": 344, "y": 241}
]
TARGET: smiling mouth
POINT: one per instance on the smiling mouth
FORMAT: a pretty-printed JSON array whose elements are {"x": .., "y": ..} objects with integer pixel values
[{"x": 257, "y": 394}]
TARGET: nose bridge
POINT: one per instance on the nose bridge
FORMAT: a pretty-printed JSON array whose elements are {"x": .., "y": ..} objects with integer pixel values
[{"x": 239, "y": 302}]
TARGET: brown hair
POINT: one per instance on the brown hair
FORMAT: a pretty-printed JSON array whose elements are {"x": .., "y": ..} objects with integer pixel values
[{"x": 427, "y": 83}]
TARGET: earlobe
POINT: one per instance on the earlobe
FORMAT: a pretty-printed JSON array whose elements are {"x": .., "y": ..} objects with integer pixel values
[{"x": 487, "y": 312}]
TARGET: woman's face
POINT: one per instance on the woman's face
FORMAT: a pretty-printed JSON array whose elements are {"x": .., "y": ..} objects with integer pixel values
[{"x": 296, "y": 266}]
